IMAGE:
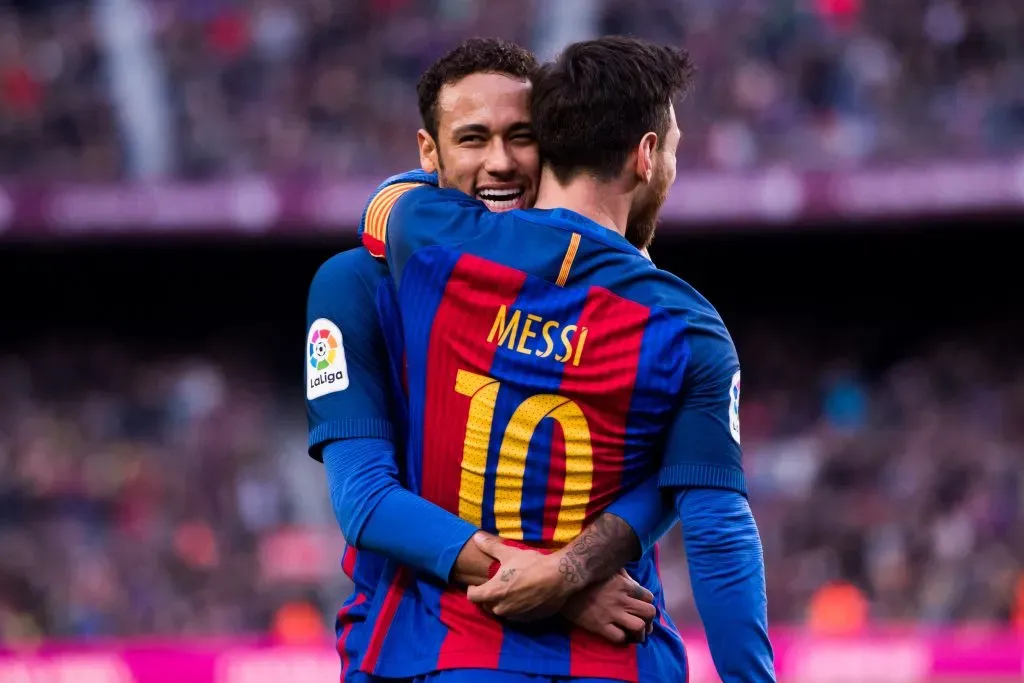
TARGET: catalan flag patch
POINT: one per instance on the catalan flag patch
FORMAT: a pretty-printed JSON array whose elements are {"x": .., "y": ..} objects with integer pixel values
[{"x": 377, "y": 214}]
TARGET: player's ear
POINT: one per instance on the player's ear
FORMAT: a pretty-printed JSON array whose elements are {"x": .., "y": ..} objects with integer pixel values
[
  {"x": 645, "y": 157},
  {"x": 428, "y": 151}
]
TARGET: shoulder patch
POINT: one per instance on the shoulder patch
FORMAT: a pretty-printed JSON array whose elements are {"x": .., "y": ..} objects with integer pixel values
[
  {"x": 734, "y": 407},
  {"x": 326, "y": 367},
  {"x": 375, "y": 227}
]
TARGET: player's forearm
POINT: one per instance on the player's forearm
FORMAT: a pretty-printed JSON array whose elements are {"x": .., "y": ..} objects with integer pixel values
[
  {"x": 602, "y": 549},
  {"x": 723, "y": 549},
  {"x": 375, "y": 513},
  {"x": 627, "y": 529}
]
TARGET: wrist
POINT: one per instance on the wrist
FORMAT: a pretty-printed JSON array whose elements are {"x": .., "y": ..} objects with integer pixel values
[{"x": 572, "y": 572}]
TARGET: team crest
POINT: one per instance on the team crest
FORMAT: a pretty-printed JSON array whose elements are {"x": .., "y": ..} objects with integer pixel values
[
  {"x": 734, "y": 407},
  {"x": 326, "y": 367}
]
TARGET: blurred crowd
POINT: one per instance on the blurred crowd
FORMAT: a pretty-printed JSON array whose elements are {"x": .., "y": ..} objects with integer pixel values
[
  {"x": 142, "y": 493},
  {"x": 327, "y": 87},
  {"x": 135, "y": 497}
]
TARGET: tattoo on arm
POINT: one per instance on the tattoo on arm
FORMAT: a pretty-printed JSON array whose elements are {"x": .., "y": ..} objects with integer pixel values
[{"x": 602, "y": 549}]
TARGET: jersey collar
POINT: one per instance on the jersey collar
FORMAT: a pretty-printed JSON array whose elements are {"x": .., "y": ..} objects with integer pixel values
[{"x": 565, "y": 219}]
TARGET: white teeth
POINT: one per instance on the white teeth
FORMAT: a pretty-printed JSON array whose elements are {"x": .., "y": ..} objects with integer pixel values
[
  {"x": 499, "y": 195},
  {"x": 501, "y": 200}
]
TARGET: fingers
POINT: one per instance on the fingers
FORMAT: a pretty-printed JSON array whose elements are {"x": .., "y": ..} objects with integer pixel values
[
  {"x": 642, "y": 610},
  {"x": 635, "y": 627},
  {"x": 638, "y": 592},
  {"x": 493, "y": 547},
  {"x": 486, "y": 592}
]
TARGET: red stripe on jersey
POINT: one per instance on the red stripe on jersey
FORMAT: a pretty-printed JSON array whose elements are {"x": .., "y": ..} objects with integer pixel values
[
  {"x": 603, "y": 385},
  {"x": 483, "y": 649},
  {"x": 458, "y": 341},
  {"x": 373, "y": 245},
  {"x": 591, "y": 656},
  {"x": 343, "y": 638},
  {"x": 392, "y": 600},
  {"x": 556, "y": 483},
  {"x": 474, "y": 637},
  {"x": 348, "y": 561}
]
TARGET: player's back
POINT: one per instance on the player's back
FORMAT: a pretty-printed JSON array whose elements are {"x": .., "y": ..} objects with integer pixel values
[
  {"x": 544, "y": 361},
  {"x": 546, "y": 356}
]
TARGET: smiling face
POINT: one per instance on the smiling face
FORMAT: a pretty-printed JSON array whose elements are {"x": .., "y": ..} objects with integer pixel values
[{"x": 485, "y": 145}]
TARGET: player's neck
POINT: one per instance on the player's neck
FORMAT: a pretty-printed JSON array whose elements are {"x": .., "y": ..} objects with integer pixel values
[{"x": 601, "y": 202}]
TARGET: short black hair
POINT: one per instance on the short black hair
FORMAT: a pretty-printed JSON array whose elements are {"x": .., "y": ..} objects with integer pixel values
[
  {"x": 476, "y": 55},
  {"x": 593, "y": 104}
]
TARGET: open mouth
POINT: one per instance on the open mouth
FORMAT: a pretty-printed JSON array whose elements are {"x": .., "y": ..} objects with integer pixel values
[{"x": 504, "y": 199}]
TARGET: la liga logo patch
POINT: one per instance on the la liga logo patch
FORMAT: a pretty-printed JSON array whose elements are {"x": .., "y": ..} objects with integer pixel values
[
  {"x": 323, "y": 348},
  {"x": 326, "y": 369}
]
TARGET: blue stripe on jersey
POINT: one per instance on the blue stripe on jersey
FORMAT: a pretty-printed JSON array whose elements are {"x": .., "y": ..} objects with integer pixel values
[
  {"x": 660, "y": 374},
  {"x": 540, "y": 375},
  {"x": 391, "y": 327},
  {"x": 421, "y": 304}
]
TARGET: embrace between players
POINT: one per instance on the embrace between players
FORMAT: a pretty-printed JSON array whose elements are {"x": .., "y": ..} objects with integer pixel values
[{"x": 512, "y": 403}]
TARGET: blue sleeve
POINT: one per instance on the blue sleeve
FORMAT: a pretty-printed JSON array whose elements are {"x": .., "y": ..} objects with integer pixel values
[
  {"x": 647, "y": 511},
  {"x": 703, "y": 442},
  {"x": 377, "y": 514},
  {"x": 347, "y": 371},
  {"x": 723, "y": 550}
]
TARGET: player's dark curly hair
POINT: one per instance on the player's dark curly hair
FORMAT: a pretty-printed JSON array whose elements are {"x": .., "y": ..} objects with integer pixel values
[
  {"x": 592, "y": 105},
  {"x": 476, "y": 55}
]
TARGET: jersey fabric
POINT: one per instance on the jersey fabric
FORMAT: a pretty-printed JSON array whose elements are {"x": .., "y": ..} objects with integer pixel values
[
  {"x": 348, "y": 395},
  {"x": 491, "y": 676},
  {"x": 548, "y": 365}
]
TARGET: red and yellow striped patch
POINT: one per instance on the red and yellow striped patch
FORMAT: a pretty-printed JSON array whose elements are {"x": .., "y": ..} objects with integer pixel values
[{"x": 375, "y": 229}]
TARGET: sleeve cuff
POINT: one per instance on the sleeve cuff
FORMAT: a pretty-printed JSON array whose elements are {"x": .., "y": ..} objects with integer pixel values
[
  {"x": 703, "y": 477},
  {"x": 359, "y": 428}
]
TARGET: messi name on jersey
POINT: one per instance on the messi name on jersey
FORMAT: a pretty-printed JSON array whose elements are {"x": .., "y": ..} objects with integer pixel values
[{"x": 531, "y": 334}]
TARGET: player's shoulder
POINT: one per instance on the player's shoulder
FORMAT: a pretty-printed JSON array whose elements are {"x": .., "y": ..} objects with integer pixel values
[
  {"x": 703, "y": 327},
  {"x": 669, "y": 292},
  {"x": 349, "y": 270},
  {"x": 430, "y": 203}
]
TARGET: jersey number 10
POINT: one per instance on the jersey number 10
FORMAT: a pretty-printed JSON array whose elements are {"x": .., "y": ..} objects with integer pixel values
[{"x": 515, "y": 444}]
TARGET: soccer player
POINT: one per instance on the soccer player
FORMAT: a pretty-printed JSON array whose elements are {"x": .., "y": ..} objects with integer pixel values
[
  {"x": 478, "y": 138},
  {"x": 548, "y": 364}
]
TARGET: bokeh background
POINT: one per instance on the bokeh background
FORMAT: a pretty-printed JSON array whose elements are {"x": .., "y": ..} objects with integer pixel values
[{"x": 172, "y": 172}]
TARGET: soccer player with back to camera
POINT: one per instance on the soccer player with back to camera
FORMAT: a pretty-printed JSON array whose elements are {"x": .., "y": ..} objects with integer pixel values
[
  {"x": 477, "y": 136},
  {"x": 576, "y": 369}
]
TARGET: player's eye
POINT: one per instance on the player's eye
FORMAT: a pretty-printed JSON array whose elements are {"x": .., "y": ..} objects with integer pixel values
[{"x": 471, "y": 140}]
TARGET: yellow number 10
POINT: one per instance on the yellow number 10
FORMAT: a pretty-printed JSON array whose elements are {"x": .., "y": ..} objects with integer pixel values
[{"x": 515, "y": 444}]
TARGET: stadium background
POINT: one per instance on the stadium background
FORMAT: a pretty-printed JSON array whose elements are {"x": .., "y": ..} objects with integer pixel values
[{"x": 173, "y": 173}]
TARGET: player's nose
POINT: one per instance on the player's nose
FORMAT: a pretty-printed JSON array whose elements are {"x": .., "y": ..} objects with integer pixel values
[{"x": 499, "y": 161}]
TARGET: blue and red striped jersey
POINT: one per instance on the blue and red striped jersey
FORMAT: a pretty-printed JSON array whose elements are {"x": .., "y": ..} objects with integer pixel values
[
  {"x": 550, "y": 367},
  {"x": 349, "y": 395}
]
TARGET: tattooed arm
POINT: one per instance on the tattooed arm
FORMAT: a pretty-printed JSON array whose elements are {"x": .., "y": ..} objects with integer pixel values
[
  {"x": 602, "y": 549},
  {"x": 530, "y": 585}
]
